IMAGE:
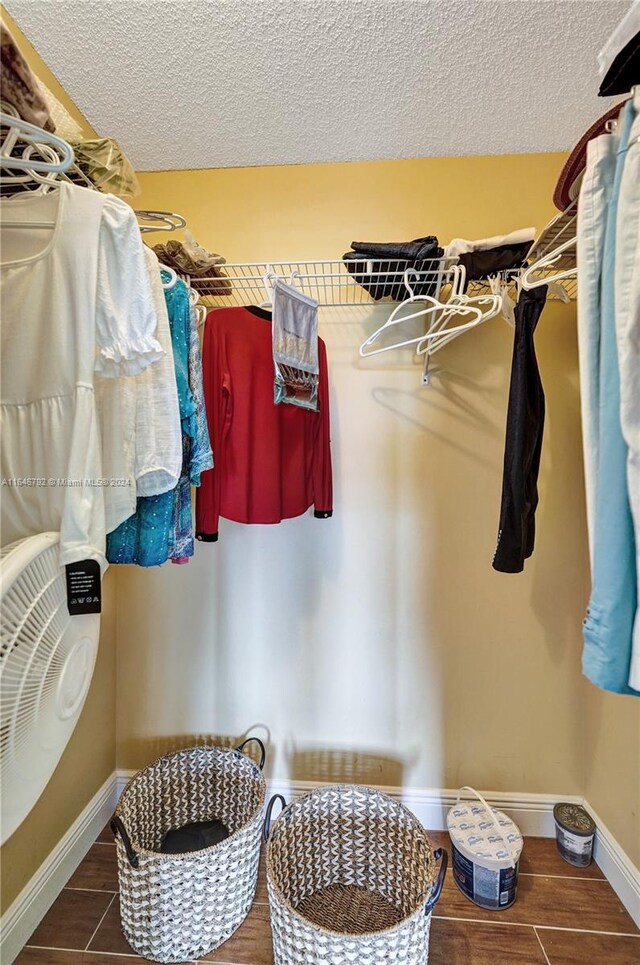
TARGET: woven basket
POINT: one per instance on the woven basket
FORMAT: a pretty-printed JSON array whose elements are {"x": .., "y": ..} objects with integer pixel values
[
  {"x": 178, "y": 907},
  {"x": 352, "y": 879}
]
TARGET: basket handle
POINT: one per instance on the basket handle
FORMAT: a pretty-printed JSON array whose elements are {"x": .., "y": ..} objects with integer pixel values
[
  {"x": 433, "y": 898},
  {"x": 492, "y": 818},
  {"x": 263, "y": 753},
  {"x": 118, "y": 828},
  {"x": 267, "y": 818}
]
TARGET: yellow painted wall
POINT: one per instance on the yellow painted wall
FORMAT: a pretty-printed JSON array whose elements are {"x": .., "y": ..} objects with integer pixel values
[
  {"x": 612, "y": 765},
  {"x": 381, "y": 641},
  {"x": 410, "y": 660},
  {"x": 485, "y": 683},
  {"x": 316, "y": 210},
  {"x": 89, "y": 758}
]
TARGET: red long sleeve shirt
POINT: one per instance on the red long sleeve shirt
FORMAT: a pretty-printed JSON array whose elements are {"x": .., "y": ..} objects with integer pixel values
[{"x": 272, "y": 462}]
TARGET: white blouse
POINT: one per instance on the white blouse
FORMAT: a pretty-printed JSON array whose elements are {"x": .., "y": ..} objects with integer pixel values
[
  {"x": 139, "y": 420},
  {"x": 75, "y": 303}
]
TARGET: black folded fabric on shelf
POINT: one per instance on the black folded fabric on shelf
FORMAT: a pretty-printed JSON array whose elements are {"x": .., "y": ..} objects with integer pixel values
[
  {"x": 368, "y": 261},
  {"x": 624, "y": 72},
  {"x": 417, "y": 250},
  {"x": 193, "y": 837},
  {"x": 481, "y": 264}
]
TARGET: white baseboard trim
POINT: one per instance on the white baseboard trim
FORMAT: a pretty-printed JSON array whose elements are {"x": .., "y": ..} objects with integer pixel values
[
  {"x": 617, "y": 866},
  {"x": 533, "y": 813},
  {"x": 29, "y": 908}
]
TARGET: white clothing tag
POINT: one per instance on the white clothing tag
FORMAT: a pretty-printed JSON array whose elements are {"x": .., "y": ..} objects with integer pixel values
[
  {"x": 557, "y": 291},
  {"x": 508, "y": 307}
]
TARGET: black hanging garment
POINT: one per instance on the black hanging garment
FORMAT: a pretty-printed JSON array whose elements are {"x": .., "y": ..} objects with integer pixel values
[{"x": 523, "y": 444}]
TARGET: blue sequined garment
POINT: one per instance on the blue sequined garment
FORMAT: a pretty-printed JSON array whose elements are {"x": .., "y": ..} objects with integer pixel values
[
  {"x": 146, "y": 538},
  {"x": 196, "y": 456}
]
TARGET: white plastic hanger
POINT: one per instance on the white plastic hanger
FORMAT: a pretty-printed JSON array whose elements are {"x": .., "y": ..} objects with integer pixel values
[
  {"x": 431, "y": 306},
  {"x": 295, "y": 279},
  {"x": 201, "y": 314},
  {"x": 173, "y": 277},
  {"x": 528, "y": 279},
  {"x": 267, "y": 280},
  {"x": 457, "y": 274},
  {"x": 438, "y": 335},
  {"x": 34, "y": 136},
  {"x": 55, "y": 157},
  {"x": 487, "y": 306},
  {"x": 160, "y": 221}
]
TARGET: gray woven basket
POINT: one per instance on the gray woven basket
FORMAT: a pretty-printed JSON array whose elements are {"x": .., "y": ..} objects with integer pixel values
[
  {"x": 178, "y": 907},
  {"x": 352, "y": 880}
]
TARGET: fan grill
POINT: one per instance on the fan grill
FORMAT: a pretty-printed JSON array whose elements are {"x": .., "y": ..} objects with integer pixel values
[{"x": 46, "y": 663}]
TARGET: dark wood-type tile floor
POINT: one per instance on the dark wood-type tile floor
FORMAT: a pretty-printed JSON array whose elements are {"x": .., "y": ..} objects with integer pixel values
[{"x": 563, "y": 916}]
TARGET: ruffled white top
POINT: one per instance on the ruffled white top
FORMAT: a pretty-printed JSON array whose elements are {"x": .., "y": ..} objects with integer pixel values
[
  {"x": 75, "y": 305},
  {"x": 139, "y": 420}
]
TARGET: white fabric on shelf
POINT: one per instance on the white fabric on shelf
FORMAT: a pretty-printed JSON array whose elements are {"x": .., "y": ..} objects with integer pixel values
[
  {"x": 76, "y": 299},
  {"x": 460, "y": 246}
]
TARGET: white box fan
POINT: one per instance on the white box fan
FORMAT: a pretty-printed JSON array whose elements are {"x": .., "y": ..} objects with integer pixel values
[{"x": 46, "y": 664}]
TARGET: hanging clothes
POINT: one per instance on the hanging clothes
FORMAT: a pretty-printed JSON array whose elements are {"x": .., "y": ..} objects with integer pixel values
[
  {"x": 75, "y": 305},
  {"x": 272, "y": 462},
  {"x": 569, "y": 183},
  {"x": 627, "y": 287},
  {"x": 201, "y": 455},
  {"x": 592, "y": 217},
  {"x": 139, "y": 420},
  {"x": 295, "y": 347},
  {"x": 523, "y": 445},
  {"x": 146, "y": 537},
  {"x": 608, "y": 627},
  {"x": 197, "y": 455}
]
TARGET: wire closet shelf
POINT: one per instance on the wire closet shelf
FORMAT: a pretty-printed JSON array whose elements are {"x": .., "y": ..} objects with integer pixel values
[
  {"x": 332, "y": 285},
  {"x": 327, "y": 281},
  {"x": 553, "y": 255}
]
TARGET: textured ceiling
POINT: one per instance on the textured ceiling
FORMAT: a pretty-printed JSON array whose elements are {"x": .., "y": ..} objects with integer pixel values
[{"x": 225, "y": 83}]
